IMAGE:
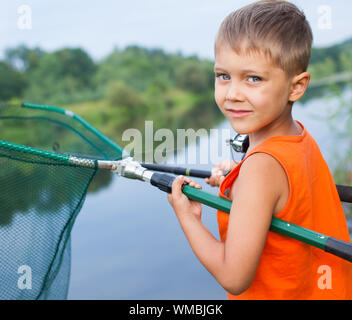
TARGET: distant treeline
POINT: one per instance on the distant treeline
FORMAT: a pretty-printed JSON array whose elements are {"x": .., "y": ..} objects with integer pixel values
[
  {"x": 143, "y": 81},
  {"x": 139, "y": 81},
  {"x": 71, "y": 74},
  {"x": 331, "y": 60}
]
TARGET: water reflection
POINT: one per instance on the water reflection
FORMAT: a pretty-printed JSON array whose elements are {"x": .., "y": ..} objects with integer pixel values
[
  {"x": 330, "y": 120},
  {"x": 339, "y": 121}
]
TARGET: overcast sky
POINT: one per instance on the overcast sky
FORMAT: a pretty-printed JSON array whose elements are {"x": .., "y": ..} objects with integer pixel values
[{"x": 188, "y": 26}]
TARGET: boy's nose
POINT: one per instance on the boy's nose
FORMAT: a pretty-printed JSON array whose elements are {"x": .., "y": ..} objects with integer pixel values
[{"x": 234, "y": 93}]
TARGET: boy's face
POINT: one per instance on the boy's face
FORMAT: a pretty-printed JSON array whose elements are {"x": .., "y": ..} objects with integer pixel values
[{"x": 250, "y": 91}]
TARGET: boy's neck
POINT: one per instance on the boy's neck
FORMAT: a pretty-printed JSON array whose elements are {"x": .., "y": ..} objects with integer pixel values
[{"x": 289, "y": 127}]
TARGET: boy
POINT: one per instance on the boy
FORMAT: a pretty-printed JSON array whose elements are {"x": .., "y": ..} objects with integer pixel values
[{"x": 261, "y": 57}]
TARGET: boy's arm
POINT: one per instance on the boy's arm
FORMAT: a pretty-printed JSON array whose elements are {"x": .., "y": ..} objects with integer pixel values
[{"x": 255, "y": 194}]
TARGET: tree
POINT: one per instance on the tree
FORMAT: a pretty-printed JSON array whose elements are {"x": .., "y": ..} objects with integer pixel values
[
  {"x": 121, "y": 94},
  {"x": 22, "y": 58},
  {"x": 138, "y": 67},
  {"x": 75, "y": 63},
  {"x": 11, "y": 82},
  {"x": 194, "y": 76},
  {"x": 346, "y": 61},
  {"x": 60, "y": 77},
  {"x": 323, "y": 69}
]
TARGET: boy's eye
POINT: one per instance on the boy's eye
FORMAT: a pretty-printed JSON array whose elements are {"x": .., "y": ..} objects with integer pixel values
[
  {"x": 253, "y": 79},
  {"x": 223, "y": 76}
]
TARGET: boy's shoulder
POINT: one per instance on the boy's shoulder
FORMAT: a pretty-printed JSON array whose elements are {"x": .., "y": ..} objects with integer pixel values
[
  {"x": 261, "y": 165},
  {"x": 261, "y": 175}
]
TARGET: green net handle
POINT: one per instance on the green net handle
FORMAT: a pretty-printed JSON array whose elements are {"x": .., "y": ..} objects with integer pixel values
[
  {"x": 64, "y": 159},
  {"x": 58, "y": 158},
  {"x": 81, "y": 121}
]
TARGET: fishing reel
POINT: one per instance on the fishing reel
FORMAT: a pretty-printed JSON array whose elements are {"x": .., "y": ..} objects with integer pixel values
[{"x": 239, "y": 143}]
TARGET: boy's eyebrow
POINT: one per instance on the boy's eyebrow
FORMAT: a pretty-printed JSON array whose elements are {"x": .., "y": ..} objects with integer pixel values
[
  {"x": 242, "y": 71},
  {"x": 218, "y": 69}
]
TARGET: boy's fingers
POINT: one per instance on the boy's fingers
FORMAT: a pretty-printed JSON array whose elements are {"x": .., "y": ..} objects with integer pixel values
[
  {"x": 177, "y": 184},
  {"x": 194, "y": 184},
  {"x": 217, "y": 172}
]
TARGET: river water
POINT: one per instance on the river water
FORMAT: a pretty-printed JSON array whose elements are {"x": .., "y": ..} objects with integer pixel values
[{"x": 127, "y": 244}]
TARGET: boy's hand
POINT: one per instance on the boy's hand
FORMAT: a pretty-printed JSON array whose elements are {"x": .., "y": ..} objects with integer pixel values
[
  {"x": 217, "y": 173},
  {"x": 181, "y": 204}
]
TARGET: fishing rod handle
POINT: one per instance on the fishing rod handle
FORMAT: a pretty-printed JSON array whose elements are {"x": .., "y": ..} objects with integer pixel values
[
  {"x": 177, "y": 170},
  {"x": 345, "y": 192},
  {"x": 162, "y": 181}
]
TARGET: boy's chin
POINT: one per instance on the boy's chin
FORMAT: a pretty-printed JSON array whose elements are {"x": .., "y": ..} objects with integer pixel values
[{"x": 241, "y": 129}]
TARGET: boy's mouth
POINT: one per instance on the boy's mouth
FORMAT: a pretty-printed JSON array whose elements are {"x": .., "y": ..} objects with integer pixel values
[{"x": 238, "y": 113}]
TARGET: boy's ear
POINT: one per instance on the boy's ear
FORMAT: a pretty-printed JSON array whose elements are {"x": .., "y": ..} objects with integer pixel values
[{"x": 299, "y": 85}]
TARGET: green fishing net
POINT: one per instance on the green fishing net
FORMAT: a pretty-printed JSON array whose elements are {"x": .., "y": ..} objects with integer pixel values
[{"x": 40, "y": 197}]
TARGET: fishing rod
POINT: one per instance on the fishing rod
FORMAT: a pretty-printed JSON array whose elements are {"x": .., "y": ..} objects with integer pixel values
[
  {"x": 129, "y": 168},
  {"x": 132, "y": 169},
  {"x": 177, "y": 170},
  {"x": 239, "y": 143},
  {"x": 345, "y": 192}
]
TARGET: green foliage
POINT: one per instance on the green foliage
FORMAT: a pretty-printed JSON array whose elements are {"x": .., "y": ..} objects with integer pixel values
[
  {"x": 138, "y": 67},
  {"x": 323, "y": 69},
  {"x": 60, "y": 76},
  {"x": 194, "y": 76},
  {"x": 11, "y": 82},
  {"x": 121, "y": 94},
  {"x": 334, "y": 58},
  {"x": 345, "y": 59},
  {"x": 127, "y": 100},
  {"x": 23, "y": 58}
]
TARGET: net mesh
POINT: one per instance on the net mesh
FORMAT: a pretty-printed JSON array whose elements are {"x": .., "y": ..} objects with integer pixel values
[{"x": 40, "y": 199}]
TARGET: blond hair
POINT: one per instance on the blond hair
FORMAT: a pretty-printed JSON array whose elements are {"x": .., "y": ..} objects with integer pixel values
[{"x": 276, "y": 28}]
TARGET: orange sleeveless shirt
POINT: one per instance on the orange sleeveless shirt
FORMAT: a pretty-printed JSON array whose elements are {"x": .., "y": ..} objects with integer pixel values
[{"x": 290, "y": 269}]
